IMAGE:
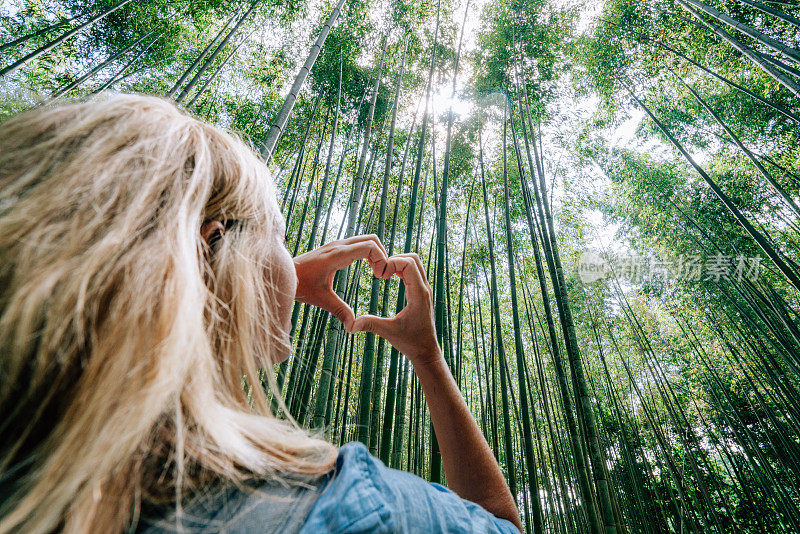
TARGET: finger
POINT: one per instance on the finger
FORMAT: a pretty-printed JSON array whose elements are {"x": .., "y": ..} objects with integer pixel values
[
  {"x": 385, "y": 328},
  {"x": 379, "y": 265},
  {"x": 362, "y": 238},
  {"x": 418, "y": 261},
  {"x": 407, "y": 269},
  {"x": 344, "y": 255},
  {"x": 418, "y": 269},
  {"x": 338, "y": 308}
]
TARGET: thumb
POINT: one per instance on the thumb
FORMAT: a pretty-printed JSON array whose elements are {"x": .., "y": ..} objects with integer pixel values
[
  {"x": 338, "y": 309},
  {"x": 377, "y": 325}
]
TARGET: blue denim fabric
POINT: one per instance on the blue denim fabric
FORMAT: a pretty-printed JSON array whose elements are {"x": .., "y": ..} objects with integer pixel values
[
  {"x": 359, "y": 495},
  {"x": 366, "y": 496}
]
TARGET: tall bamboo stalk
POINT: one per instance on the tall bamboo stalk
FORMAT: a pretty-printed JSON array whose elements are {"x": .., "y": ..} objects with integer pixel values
[
  {"x": 61, "y": 38},
  {"x": 784, "y": 268},
  {"x": 279, "y": 123},
  {"x": 746, "y": 51}
]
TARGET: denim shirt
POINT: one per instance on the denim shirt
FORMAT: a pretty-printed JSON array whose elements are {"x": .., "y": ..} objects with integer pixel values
[
  {"x": 360, "y": 494},
  {"x": 366, "y": 496}
]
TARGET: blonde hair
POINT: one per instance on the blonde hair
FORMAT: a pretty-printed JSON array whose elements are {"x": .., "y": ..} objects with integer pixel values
[{"x": 129, "y": 352}]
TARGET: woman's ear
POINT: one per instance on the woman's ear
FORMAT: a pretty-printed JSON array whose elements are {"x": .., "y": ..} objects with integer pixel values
[{"x": 210, "y": 231}]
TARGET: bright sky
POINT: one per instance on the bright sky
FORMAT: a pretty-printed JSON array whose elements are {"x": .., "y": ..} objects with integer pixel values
[
  {"x": 567, "y": 116},
  {"x": 601, "y": 234}
]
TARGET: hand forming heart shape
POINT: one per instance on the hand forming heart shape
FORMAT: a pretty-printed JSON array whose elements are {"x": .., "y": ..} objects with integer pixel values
[
  {"x": 411, "y": 331},
  {"x": 315, "y": 271}
]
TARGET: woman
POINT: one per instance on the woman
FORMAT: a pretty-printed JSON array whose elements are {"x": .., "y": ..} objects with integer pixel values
[{"x": 144, "y": 284}]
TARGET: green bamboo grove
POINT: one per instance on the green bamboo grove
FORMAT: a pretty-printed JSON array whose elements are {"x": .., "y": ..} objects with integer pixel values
[{"x": 604, "y": 195}]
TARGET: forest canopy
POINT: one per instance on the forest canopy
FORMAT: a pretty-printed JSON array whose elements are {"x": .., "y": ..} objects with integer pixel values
[{"x": 605, "y": 195}]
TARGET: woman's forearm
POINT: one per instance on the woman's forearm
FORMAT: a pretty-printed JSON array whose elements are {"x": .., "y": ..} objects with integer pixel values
[{"x": 471, "y": 469}]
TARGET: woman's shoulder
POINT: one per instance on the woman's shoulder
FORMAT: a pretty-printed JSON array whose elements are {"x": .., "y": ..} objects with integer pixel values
[
  {"x": 236, "y": 509},
  {"x": 364, "y": 495},
  {"x": 360, "y": 494}
]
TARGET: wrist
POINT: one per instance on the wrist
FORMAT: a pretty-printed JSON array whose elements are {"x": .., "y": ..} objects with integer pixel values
[{"x": 431, "y": 361}]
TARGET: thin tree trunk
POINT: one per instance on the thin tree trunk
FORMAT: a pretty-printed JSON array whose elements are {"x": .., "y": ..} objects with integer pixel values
[
  {"x": 217, "y": 71},
  {"x": 581, "y": 467},
  {"x": 276, "y": 129},
  {"x": 780, "y": 109},
  {"x": 119, "y": 74},
  {"x": 767, "y": 176},
  {"x": 439, "y": 284},
  {"x": 582, "y": 400},
  {"x": 462, "y": 276},
  {"x": 527, "y": 411},
  {"x": 322, "y": 407},
  {"x": 102, "y": 65},
  {"x": 794, "y": 21},
  {"x": 27, "y": 37},
  {"x": 376, "y": 302},
  {"x": 301, "y": 161},
  {"x": 755, "y": 234},
  {"x": 747, "y": 30},
  {"x": 748, "y": 52},
  {"x": 310, "y": 191},
  {"x": 328, "y": 162},
  {"x": 401, "y": 294},
  {"x": 200, "y": 58},
  {"x": 367, "y": 362},
  {"x": 498, "y": 329},
  {"x": 60, "y": 39},
  {"x": 217, "y": 50},
  {"x": 392, "y": 378}
]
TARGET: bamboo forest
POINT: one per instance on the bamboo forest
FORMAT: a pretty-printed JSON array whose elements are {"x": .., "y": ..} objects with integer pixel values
[{"x": 605, "y": 196}]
